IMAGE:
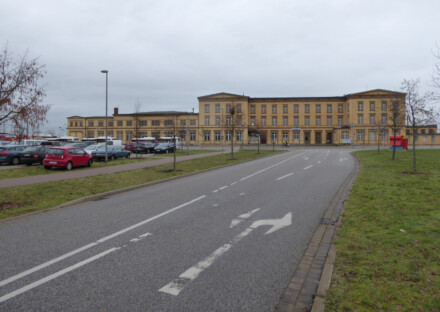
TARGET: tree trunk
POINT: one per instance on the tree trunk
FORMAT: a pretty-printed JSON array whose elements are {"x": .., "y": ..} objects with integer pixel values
[
  {"x": 414, "y": 152},
  {"x": 394, "y": 145},
  {"x": 232, "y": 145}
]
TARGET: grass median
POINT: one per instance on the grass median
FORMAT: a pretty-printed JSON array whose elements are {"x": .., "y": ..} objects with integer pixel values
[
  {"x": 21, "y": 200},
  {"x": 388, "y": 247}
]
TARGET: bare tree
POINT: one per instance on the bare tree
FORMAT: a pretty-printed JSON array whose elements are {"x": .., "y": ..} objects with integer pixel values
[
  {"x": 234, "y": 120},
  {"x": 381, "y": 127},
  {"x": 418, "y": 113},
  {"x": 20, "y": 93},
  {"x": 436, "y": 74},
  {"x": 396, "y": 117},
  {"x": 176, "y": 127}
]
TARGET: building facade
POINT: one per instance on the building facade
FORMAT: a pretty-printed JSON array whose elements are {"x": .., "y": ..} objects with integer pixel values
[{"x": 360, "y": 119}]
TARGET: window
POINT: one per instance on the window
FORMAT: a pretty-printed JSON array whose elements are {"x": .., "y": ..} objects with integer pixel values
[
  {"x": 285, "y": 109},
  {"x": 263, "y": 109},
  {"x": 372, "y": 119},
  {"x": 206, "y": 121},
  {"x": 360, "y": 135},
  {"x": 228, "y": 136},
  {"x": 192, "y": 136},
  {"x": 318, "y": 108},
  {"x": 296, "y": 136},
  {"x": 252, "y": 109},
  {"x": 100, "y": 124},
  {"x": 296, "y": 121},
  {"x": 81, "y": 123},
  {"x": 307, "y": 120},
  {"x": 340, "y": 108},
  {"x": 128, "y": 136},
  {"x": 228, "y": 108},
  {"x": 252, "y": 121},
  {"x": 206, "y": 108},
  {"x": 329, "y": 108},
  {"x": 307, "y": 109},
  {"x": 431, "y": 131},
  {"x": 372, "y": 106},
  {"x": 71, "y": 123},
  {"x": 360, "y": 119},
  {"x": 425, "y": 139},
  {"x": 329, "y": 120},
  {"x": 217, "y": 108},
  {"x": 263, "y": 121},
  {"x": 100, "y": 133},
  {"x": 192, "y": 122},
  {"x": 384, "y": 136},
  {"x": 228, "y": 121},
  {"x": 372, "y": 136},
  {"x": 285, "y": 136},
  {"x": 384, "y": 119},
  {"x": 239, "y": 136},
  {"x": 274, "y": 121},
  {"x": 168, "y": 122},
  {"x": 384, "y": 105},
  {"x": 183, "y": 122},
  {"x": 274, "y": 109},
  {"x": 110, "y": 124},
  {"x": 90, "y": 135},
  {"x": 433, "y": 138},
  {"x": 217, "y": 136},
  {"x": 274, "y": 136},
  {"x": 285, "y": 121},
  {"x": 143, "y": 123},
  {"x": 318, "y": 120},
  {"x": 155, "y": 134},
  {"x": 238, "y": 108},
  {"x": 76, "y": 124},
  {"x": 155, "y": 122},
  {"x": 207, "y": 136},
  {"x": 422, "y": 131},
  {"x": 345, "y": 135},
  {"x": 128, "y": 123},
  {"x": 296, "y": 108},
  {"x": 217, "y": 121},
  {"x": 340, "y": 120},
  {"x": 360, "y": 106},
  {"x": 90, "y": 123}
]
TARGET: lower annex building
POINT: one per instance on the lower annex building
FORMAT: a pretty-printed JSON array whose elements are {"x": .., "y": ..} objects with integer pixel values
[{"x": 362, "y": 118}]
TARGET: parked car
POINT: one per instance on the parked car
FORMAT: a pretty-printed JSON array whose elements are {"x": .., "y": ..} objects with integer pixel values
[
  {"x": 10, "y": 154},
  {"x": 143, "y": 147},
  {"x": 34, "y": 154},
  {"x": 113, "y": 152},
  {"x": 67, "y": 157},
  {"x": 129, "y": 146},
  {"x": 164, "y": 148},
  {"x": 77, "y": 144},
  {"x": 89, "y": 149}
]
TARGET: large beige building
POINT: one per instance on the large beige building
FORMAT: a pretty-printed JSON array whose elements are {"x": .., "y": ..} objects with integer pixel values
[{"x": 360, "y": 118}]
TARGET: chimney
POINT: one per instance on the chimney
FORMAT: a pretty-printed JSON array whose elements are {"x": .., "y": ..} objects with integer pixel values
[{"x": 115, "y": 111}]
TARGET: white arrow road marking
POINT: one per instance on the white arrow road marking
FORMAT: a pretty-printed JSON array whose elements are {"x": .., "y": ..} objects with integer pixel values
[
  {"x": 55, "y": 275},
  {"x": 287, "y": 175},
  {"x": 242, "y": 217},
  {"x": 308, "y": 167},
  {"x": 177, "y": 285}
]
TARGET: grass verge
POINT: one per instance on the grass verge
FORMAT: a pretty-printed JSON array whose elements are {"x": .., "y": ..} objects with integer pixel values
[
  {"x": 388, "y": 247},
  {"x": 39, "y": 170},
  {"x": 21, "y": 200}
]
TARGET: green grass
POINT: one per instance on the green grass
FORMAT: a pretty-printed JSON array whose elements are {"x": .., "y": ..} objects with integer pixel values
[
  {"x": 388, "y": 247},
  {"x": 39, "y": 170},
  {"x": 21, "y": 200}
]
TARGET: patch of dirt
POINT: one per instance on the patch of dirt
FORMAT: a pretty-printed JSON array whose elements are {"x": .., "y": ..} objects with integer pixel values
[{"x": 11, "y": 205}]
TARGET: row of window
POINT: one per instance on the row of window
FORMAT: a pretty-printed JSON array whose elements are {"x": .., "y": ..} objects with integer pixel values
[
  {"x": 228, "y": 108},
  {"x": 129, "y": 123}
]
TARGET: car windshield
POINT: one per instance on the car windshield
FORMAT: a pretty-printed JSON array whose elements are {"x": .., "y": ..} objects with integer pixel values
[
  {"x": 31, "y": 149},
  {"x": 102, "y": 148},
  {"x": 92, "y": 147},
  {"x": 55, "y": 151},
  {"x": 163, "y": 145}
]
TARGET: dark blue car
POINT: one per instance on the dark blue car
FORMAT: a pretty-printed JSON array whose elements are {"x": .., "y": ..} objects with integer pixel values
[
  {"x": 10, "y": 154},
  {"x": 113, "y": 152}
]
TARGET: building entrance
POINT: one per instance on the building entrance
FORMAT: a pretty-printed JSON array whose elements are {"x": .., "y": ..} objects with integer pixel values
[
  {"x": 318, "y": 138},
  {"x": 329, "y": 138},
  {"x": 307, "y": 137}
]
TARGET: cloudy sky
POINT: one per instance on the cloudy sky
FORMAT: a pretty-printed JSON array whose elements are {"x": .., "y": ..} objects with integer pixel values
[{"x": 166, "y": 53}]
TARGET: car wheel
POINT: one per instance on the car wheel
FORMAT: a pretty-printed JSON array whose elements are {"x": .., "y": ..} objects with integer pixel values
[
  {"x": 15, "y": 161},
  {"x": 69, "y": 166},
  {"x": 47, "y": 167},
  {"x": 89, "y": 164}
]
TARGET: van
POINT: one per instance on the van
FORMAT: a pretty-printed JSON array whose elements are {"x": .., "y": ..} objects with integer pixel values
[{"x": 170, "y": 140}]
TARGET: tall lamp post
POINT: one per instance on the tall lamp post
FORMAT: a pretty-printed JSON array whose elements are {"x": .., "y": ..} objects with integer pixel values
[{"x": 104, "y": 71}]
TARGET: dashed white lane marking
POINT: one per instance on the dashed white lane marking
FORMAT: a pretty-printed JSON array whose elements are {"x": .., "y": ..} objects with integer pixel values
[
  {"x": 242, "y": 217},
  {"x": 308, "y": 167},
  {"x": 55, "y": 275},
  {"x": 283, "y": 177},
  {"x": 223, "y": 187},
  {"x": 233, "y": 183},
  {"x": 241, "y": 194}
]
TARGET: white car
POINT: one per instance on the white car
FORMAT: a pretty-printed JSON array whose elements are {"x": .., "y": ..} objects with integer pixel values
[{"x": 94, "y": 147}]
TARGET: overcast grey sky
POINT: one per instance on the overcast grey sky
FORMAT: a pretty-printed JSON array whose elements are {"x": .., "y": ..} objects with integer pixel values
[{"x": 166, "y": 53}]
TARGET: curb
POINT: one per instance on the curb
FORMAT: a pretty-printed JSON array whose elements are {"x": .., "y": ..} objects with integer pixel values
[{"x": 315, "y": 269}]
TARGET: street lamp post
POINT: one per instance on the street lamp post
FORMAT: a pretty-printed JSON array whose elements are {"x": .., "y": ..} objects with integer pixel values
[{"x": 106, "y": 104}]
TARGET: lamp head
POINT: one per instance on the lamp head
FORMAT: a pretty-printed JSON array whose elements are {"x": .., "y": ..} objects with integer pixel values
[{"x": 104, "y": 71}]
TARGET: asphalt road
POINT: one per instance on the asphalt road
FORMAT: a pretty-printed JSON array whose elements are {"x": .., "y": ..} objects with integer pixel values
[{"x": 224, "y": 240}]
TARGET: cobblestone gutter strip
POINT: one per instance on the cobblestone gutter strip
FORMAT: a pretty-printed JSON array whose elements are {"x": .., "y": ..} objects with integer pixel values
[{"x": 311, "y": 280}]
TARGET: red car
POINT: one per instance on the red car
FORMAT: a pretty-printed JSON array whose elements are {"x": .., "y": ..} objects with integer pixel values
[{"x": 67, "y": 157}]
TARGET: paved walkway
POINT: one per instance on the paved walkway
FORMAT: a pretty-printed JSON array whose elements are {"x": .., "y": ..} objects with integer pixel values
[{"x": 73, "y": 174}]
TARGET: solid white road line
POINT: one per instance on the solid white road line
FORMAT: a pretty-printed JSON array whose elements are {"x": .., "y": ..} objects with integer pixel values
[
  {"x": 55, "y": 275},
  {"x": 69, "y": 254}
]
